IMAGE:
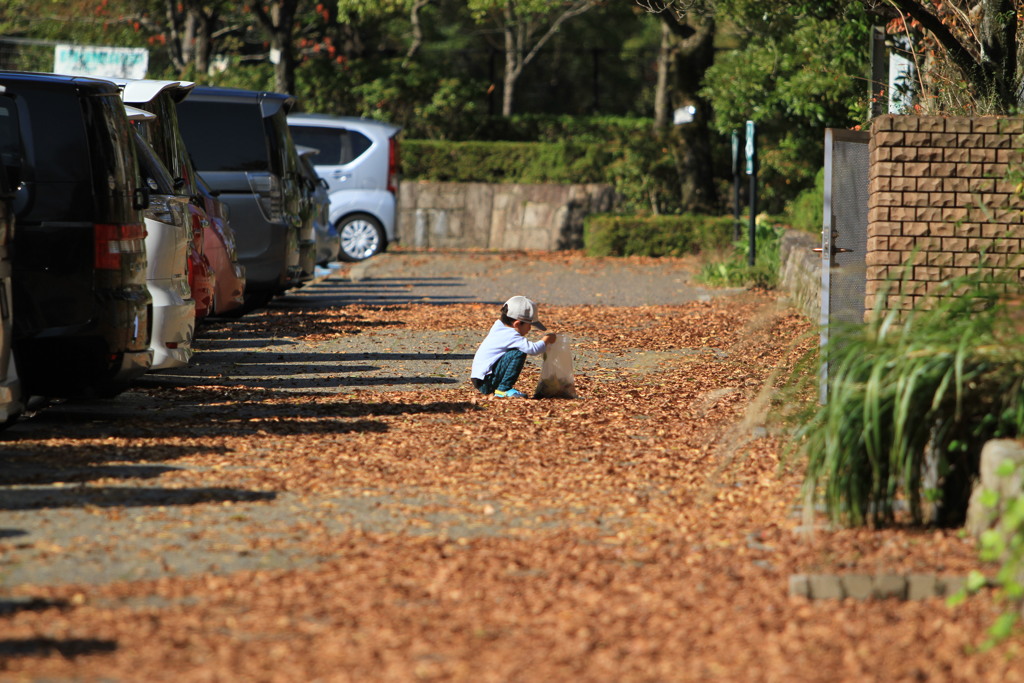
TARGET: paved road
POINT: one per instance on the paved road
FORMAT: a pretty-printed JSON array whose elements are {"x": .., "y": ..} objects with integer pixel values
[
  {"x": 446, "y": 277},
  {"x": 58, "y": 525}
]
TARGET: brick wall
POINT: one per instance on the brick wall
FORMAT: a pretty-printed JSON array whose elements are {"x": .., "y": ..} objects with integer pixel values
[{"x": 938, "y": 199}]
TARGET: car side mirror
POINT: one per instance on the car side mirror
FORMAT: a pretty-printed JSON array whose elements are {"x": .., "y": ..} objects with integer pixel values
[{"x": 323, "y": 183}]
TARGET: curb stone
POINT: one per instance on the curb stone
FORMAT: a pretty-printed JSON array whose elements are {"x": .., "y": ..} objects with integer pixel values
[{"x": 873, "y": 586}]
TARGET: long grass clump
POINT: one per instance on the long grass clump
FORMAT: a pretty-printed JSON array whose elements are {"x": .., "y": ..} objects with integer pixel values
[{"x": 912, "y": 397}]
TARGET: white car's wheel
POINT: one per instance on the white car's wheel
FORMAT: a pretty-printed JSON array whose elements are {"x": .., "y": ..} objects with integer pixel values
[{"x": 362, "y": 236}]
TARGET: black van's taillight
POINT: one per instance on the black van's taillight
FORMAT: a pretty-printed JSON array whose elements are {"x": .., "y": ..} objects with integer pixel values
[
  {"x": 111, "y": 240},
  {"x": 392, "y": 165}
]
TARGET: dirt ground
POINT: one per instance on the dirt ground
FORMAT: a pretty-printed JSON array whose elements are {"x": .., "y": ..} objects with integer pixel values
[{"x": 323, "y": 497}]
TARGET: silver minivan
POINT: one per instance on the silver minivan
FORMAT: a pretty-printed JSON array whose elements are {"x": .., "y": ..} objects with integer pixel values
[{"x": 359, "y": 160}]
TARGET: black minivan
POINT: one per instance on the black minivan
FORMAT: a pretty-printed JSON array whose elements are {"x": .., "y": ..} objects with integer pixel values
[
  {"x": 81, "y": 306},
  {"x": 241, "y": 145}
]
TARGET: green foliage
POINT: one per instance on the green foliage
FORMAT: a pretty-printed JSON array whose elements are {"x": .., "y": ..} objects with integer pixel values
[
  {"x": 251, "y": 77},
  {"x": 525, "y": 11},
  {"x": 613, "y": 235},
  {"x": 806, "y": 211},
  {"x": 795, "y": 75},
  {"x": 1003, "y": 544},
  {"x": 736, "y": 271},
  {"x": 426, "y": 103},
  {"x": 548, "y": 127},
  {"x": 945, "y": 376},
  {"x": 639, "y": 164},
  {"x": 504, "y": 162}
]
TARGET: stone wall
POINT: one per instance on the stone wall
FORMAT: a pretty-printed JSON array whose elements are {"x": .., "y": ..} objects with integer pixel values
[
  {"x": 491, "y": 216},
  {"x": 938, "y": 200},
  {"x": 800, "y": 272}
]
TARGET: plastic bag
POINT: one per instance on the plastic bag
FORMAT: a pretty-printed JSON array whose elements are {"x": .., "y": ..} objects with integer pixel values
[{"x": 556, "y": 378}]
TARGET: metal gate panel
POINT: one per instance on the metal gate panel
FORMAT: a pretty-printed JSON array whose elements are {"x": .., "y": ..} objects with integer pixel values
[{"x": 844, "y": 234}]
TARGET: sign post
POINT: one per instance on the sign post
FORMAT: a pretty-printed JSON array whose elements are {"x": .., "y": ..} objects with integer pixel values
[
  {"x": 751, "y": 156},
  {"x": 737, "y": 162}
]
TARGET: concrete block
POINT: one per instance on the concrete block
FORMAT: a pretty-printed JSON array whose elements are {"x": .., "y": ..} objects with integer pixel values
[
  {"x": 956, "y": 154},
  {"x": 890, "y": 168},
  {"x": 998, "y": 141},
  {"x": 980, "y": 155},
  {"x": 958, "y": 124},
  {"x": 985, "y": 124},
  {"x": 889, "y": 139},
  {"x": 968, "y": 170},
  {"x": 1013, "y": 125},
  {"x": 971, "y": 141},
  {"x": 930, "y": 154},
  {"x": 949, "y": 585},
  {"x": 889, "y": 586},
  {"x": 799, "y": 586},
  {"x": 904, "y": 123},
  {"x": 825, "y": 587},
  {"x": 994, "y": 170},
  {"x": 1010, "y": 156},
  {"x": 858, "y": 586},
  {"x": 899, "y": 154},
  {"x": 942, "y": 229},
  {"x": 921, "y": 586},
  {"x": 931, "y": 124}
]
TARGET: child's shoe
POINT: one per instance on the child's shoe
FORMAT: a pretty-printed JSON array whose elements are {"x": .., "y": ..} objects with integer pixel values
[{"x": 511, "y": 393}]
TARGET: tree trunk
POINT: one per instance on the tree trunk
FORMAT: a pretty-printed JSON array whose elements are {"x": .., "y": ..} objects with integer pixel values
[
  {"x": 175, "y": 43},
  {"x": 513, "y": 55},
  {"x": 416, "y": 25},
  {"x": 279, "y": 24},
  {"x": 661, "y": 86},
  {"x": 518, "y": 34},
  {"x": 202, "y": 41},
  {"x": 693, "y": 36},
  {"x": 998, "y": 36}
]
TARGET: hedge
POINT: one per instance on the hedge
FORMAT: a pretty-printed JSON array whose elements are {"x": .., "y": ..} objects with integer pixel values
[
  {"x": 507, "y": 162},
  {"x": 610, "y": 235},
  {"x": 547, "y": 128}
]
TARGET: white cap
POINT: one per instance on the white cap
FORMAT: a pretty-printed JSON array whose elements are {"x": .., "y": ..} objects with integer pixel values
[{"x": 521, "y": 308}]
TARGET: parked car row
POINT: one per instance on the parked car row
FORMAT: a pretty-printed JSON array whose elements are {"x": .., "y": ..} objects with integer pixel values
[{"x": 131, "y": 209}]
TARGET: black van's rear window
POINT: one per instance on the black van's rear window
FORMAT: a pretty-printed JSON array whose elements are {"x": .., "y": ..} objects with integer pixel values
[{"x": 224, "y": 136}]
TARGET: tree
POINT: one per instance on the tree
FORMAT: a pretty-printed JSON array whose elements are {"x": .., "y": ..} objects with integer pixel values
[
  {"x": 978, "y": 38},
  {"x": 191, "y": 29},
  {"x": 277, "y": 17},
  {"x": 687, "y": 52},
  {"x": 794, "y": 67},
  {"x": 524, "y": 27}
]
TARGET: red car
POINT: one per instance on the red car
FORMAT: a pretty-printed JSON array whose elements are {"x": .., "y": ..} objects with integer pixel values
[
  {"x": 201, "y": 276},
  {"x": 220, "y": 251}
]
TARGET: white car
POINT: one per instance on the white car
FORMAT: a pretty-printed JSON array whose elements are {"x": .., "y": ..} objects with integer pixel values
[
  {"x": 359, "y": 160},
  {"x": 168, "y": 234}
]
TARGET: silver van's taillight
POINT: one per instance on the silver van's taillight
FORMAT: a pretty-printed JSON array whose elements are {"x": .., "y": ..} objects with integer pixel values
[
  {"x": 393, "y": 165},
  {"x": 267, "y": 188}
]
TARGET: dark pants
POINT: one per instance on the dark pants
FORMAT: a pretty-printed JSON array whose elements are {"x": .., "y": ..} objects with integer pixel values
[{"x": 504, "y": 374}]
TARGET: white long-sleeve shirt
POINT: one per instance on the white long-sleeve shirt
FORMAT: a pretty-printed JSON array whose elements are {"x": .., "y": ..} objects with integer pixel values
[{"x": 500, "y": 339}]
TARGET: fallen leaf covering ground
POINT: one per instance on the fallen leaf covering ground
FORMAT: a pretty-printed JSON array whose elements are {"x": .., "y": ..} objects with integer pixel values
[{"x": 644, "y": 532}]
